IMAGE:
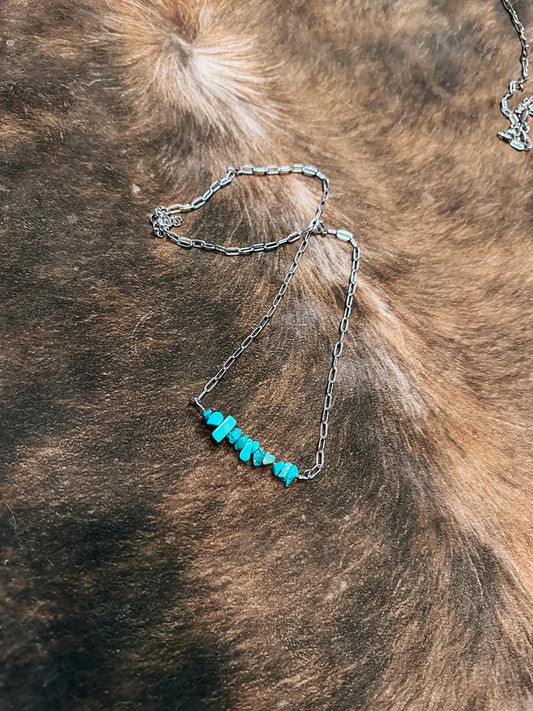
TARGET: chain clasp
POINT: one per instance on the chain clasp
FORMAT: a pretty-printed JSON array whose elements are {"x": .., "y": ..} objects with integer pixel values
[{"x": 342, "y": 234}]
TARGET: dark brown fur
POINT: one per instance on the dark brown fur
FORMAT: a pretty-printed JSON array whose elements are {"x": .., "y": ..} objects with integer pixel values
[{"x": 142, "y": 568}]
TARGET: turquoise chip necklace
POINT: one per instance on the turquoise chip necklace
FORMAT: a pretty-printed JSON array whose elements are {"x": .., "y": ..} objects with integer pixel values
[
  {"x": 224, "y": 427},
  {"x": 247, "y": 448}
]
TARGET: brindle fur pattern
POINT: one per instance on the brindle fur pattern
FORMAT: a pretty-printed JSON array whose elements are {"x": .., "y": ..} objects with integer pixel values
[{"x": 143, "y": 569}]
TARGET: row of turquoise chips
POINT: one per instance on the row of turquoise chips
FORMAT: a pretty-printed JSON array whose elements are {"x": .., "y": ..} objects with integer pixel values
[{"x": 225, "y": 427}]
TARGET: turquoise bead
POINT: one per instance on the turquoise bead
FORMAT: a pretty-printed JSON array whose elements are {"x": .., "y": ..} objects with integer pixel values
[
  {"x": 249, "y": 448},
  {"x": 239, "y": 444},
  {"x": 291, "y": 474},
  {"x": 224, "y": 428},
  {"x": 207, "y": 413},
  {"x": 268, "y": 459},
  {"x": 234, "y": 435},
  {"x": 277, "y": 468},
  {"x": 258, "y": 456},
  {"x": 215, "y": 419},
  {"x": 286, "y": 471}
]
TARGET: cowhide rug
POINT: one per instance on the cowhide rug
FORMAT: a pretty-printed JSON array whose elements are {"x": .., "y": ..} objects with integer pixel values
[{"x": 145, "y": 569}]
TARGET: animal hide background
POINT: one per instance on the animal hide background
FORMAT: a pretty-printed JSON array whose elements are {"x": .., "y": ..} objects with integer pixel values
[{"x": 142, "y": 567}]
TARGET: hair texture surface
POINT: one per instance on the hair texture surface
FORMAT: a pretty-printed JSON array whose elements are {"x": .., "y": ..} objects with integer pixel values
[{"x": 143, "y": 568}]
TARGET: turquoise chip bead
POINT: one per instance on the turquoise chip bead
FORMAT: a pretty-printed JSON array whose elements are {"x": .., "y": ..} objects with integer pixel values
[
  {"x": 258, "y": 456},
  {"x": 291, "y": 474},
  {"x": 224, "y": 428},
  {"x": 234, "y": 435},
  {"x": 207, "y": 413},
  {"x": 239, "y": 444},
  {"x": 286, "y": 471},
  {"x": 249, "y": 448},
  {"x": 277, "y": 468},
  {"x": 268, "y": 459},
  {"x": 215, "y": 419}
]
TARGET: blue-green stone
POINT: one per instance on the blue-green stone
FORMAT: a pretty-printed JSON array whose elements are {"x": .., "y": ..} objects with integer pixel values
[
  {"x": 215, "y": 419},
  {"x": 286, "y": 468},
  {"x": 239, "y": 444},
  {"x": 258, "y": 456},
  {"x": 277, "y": 468},
  {"x": 286, "y": 471},
  {"x": 291, "y": 474},
  {"x": 268, "y": 459},
  {"x": 249, "y": 448},
  {"x": 234, "y": 435},
  {"x": 224, "y": 428},
  {"x": 207, "y": 413}
]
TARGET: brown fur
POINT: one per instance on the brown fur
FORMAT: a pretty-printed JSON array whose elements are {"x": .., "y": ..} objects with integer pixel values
[{"x": 142, "y": 568}]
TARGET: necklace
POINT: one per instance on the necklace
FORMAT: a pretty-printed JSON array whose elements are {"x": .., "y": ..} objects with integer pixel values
[
  {"x": 224, "y": 427},
  {"x": 517, "y": 135},
  {"x": 166, "y": 219}
]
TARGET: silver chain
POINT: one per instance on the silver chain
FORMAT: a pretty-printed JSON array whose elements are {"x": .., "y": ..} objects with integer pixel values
[
  {"x": 165, "y": 219},
  {"x": 517, "y": 135}
]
